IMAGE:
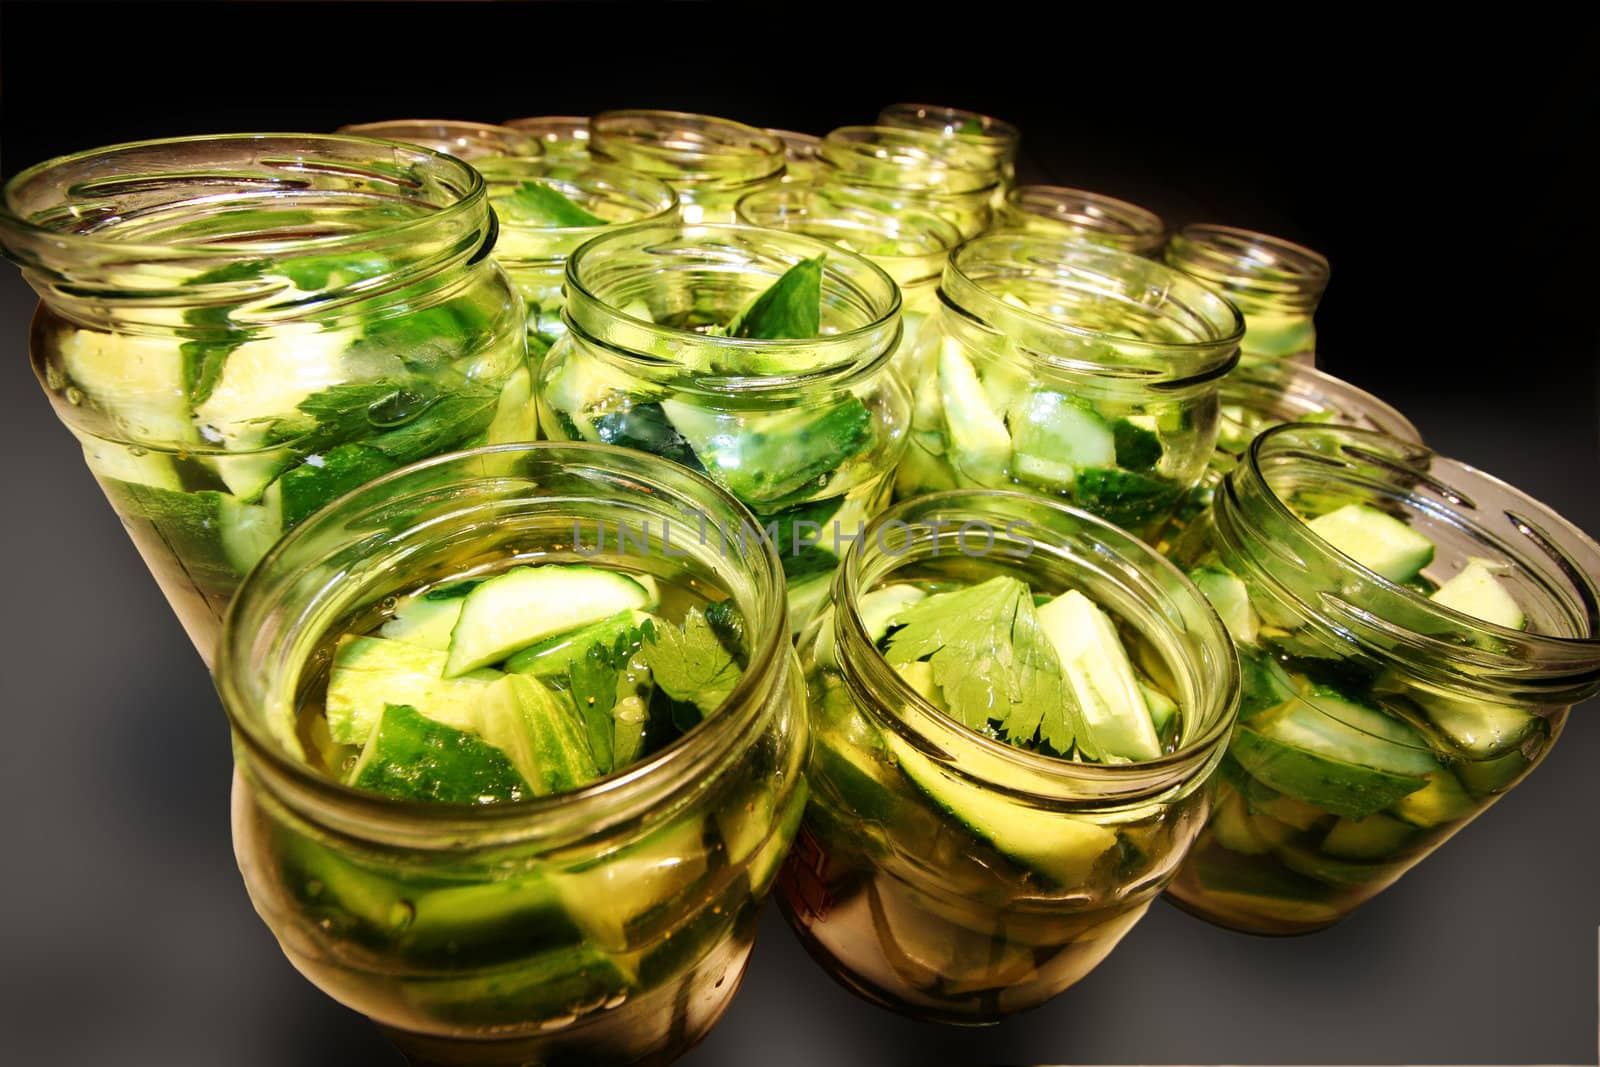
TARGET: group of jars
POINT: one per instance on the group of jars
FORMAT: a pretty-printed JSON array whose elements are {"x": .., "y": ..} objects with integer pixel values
[{"x": 977, "y": 339}]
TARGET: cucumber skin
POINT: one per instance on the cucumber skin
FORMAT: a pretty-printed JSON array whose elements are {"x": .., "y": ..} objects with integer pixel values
[
  {"x": 523, "y": 606},
  {"x": 1336, "y": 787}
]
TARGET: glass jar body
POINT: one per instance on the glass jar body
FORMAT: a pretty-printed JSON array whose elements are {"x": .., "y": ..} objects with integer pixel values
[
  {"x": 1276, "y": 284},
  {"x": 1077, "y": 215},
  {"x": 561, "y": 136},
  {"x": 895, "y": 169},
  {"x": 610, "y": 923},
  {"x": 995, "y": 137},
  {"x": 709, "y": 162},
  {"x": 222, "y": 395},
  {"x": 1373, "y": 725},
  {"x": 931, "y": 875}
]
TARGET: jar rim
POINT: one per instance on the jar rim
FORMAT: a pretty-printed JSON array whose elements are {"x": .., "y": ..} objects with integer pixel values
[
  {"x": 464, "y": 181},
  {"x": 937, "y": 234},
  {"x": 464, "y": 139},
  {"x": 1249, "y": 261},
  {"x": 1141, "y": 229},
  {"x": 724, "y": 154},
  {"x": 1263, "y": 387},
  {"x": 905, "y": 158},
  {"x": 622, "y": 338},
  {"x": 1521, "y": 656},
  {"x": 580, "y": 807},
  {"x": 1194, "y": 360},
  {"x": 1147, "y": 777},
  {"x": 995, "y": 133},
  {"x": 552, "y": 127}
]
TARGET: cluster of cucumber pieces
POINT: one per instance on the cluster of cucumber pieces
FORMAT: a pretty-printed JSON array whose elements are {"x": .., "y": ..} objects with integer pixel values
[
  {"x": 538, "y": 680},
  {"x": 1365, "y": 764}
]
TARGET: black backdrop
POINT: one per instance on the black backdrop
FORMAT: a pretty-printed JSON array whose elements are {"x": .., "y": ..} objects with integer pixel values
[{"x": 1444, "y": 173}]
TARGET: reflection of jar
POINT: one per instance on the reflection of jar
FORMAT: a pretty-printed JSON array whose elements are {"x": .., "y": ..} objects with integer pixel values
[
  {"x": 806, "y": 433},
  {"x": 1275, "y": 283},
  {"x": 799, "y": 154},
  {"x": 1076, "y": 215},
  {"x": 899, "y": 168},
  {"x": 999, "y": 138},
  {"x": 239, "y": 329},
  {"x": 1070, "y": 371},
  {"x": 911, "y": 246},
  {"x": 563, "y": 136},
  {"x": 464, "y": 140},
  {"x": 952, "y": 876},
  {"x": 603, "y": 924},
  {"x": 709, "y": 162},
  {"x": 534, "y": 251},
  {"x": 1375, "y": 720},
  {"x": 1260, "y": 396}
]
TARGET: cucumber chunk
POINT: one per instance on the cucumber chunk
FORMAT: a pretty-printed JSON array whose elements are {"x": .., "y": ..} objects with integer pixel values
[
  {"x": 1379, "y": 542},
  {"x": 535, "y": 731},
  {"x": 553, "y": 657},
  {"x": 1481, "y": 730},
  {"x": 1101, "y": 676},
  {"x": 1443, "y": 800},
  {"x": 424, "y": 621},
  {"x": 764, "y": 458},
  {"x": 412, "y": 757},
  {"x": 979, "y": 442},
  {"x": 525, "y": 605},
  {"x": 1047, "y": 427},
  {"x": 136, "y": 381},
  {"x": 1062, "y": 847},
  {"x": 1230, "y": 598},
  {"x": 1477, "y": 592},
  {"x": 880, "y": 607},
  {"x": 1311, "y": 762},
  {"x": 371, "y": 672},
  {"x": 1376, "y": 837},
  {"x": 1163, "y": 709}
]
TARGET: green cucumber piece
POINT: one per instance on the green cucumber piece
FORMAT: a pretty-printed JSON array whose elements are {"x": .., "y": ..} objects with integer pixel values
[
  {"x": 1337, "y": 872},
  {"x": 1442, "y": 800},
  {"x": 1061, "y": 847},
  {"x": 425, "y": 620},
  {"x": 1378, "y": 541},
  {"x": 1293, "y": 757},
  {"x": 1377, "y": 837},
  {"x": 136, "y": 381},
  {"x": 763, "y": 458},
  {"x": 247, "y": 531},
  {"x": 412, "y": 757},
  {"x": 1264, "y": 684},
  {"x": 1230, "y": 598},
  {"x": 1138, "y": 446},
  {"x": 1261, "y": 886},
  {"x": 264, "y": 381},
  {"x": 632, "y": 897},
  {"x": 547, "y": 986},
  {"x": 1488, "y": 777},
  {"x": 979, "y": 442},
  {"x": 553, "y": 657},
  {"x": 880, "y": 607},
  {"x": 1481, "y": 730},
  {"x": 1237, "y": 829},
  {"x": 1477, "y": 592},
  {"x": 1125, "y": 498},
  {"x": 1163, "y": 709},
  {"x": 525, "y": 605},
  {"x": 1049, "y": 428},
  {"x": 536, "y": 732},
  {"x": 1101, "y": 676},
  {"x": 369, "y": 673},
  {"x": 138, "y": 466}
]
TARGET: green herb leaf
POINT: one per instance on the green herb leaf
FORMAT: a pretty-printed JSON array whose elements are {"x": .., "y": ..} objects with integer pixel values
[
  {"x": 791, "y": 308},
  {"x": 691, "y": 665},
  {"x": 539, "y": 202},
  {"x": 990, "y": 658},
  {"x": 609, "y": 698}
]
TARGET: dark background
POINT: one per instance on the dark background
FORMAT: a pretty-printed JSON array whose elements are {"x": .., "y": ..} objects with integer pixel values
[{"x": 1446, "y": 175}]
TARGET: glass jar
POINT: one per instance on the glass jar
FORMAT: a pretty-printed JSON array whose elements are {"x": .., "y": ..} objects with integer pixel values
[
  {"x": 710, "y": 162},
  {"x": 1071, "y": 371},
  {"x": 997, "y": 137},
  {"x": 562, "y": 136},
  {"x": 911, "y": 246},
  {"x": 805, "y": 433},
  {"x": 1375, "y": 721},
  {"x": 899, "y": 169},
  {"x": 1076, "y": 215},
  {"x": 799, "y": 154},
  {"x": 240, "y": 328},
  {"x": 471, "y": 141},
  {"x": 1259, "y": 396},
  {"x": 1276, "y": 284},
  {"x": 534, "y": 252},
  {"x": 601, "y": 925},
  {"x": 901, "y": 883}
]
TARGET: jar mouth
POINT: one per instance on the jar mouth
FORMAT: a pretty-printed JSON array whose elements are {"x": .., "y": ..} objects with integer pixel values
[
  {"x": 1245, "y": 261},
  {"x": 1099, "y": 218},
  {"x": 287, "y": 604},
  {"x": 918, "y": 242},
  {"x": 995, "y": 135},
  {"x": 797, "y": 147},
  {"x": 1082, "y": 551},
  {"x": 553, "y": 129},
  {"x": 454, "y": 137},
  {"x": 1294, "y": 392},
  {"x": 1094, "y": 311},
  {"x": 909, "y": 160},
  {"x": 686, "y": 149},
  {"x": 617, "y": 196},
  {"x": 217, "y": 198},
  {"x": 1548, "y": 564},
  {"x": 676, "y": 269}
]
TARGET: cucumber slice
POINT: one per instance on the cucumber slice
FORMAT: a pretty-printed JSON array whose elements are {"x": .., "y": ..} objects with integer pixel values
[
  {"x": 425, "y": 620},
  {"x": 247, "y": 531},
  {"x": 108, "y": 460},
  {"x": 1477, "y": 592},
  {"x": 1236, "y": 829},
  {"x": 412, "y": 757},
  {"x": 1319, "y": 760},
  {"x": 1101, "y": 676},
  {"x": 525, "y": 605},
  {"x": 979, "y": 442},
  {"x": 545, "y": 743},
  {"x": 1261, "y": 887},
  {"x": 880, "y": 607},
  {"x": 1379, "y": 542},
  {"x": 267, "y": 380},
  {"x": 1061, "y": 847},
  {"x": 248, "y": 475},
  {"x": 1264, "y": 684},
  {"x": 553, "y": 657},
  {"x": 1377, "y": 837},
  {"x": 136, "y": 381},
  {"x": 546, "y": 986},
  {"x": 1230, "y": 598},
  {"x": 764, "y": 458},
  {"x": 1048, "y": 427},
  {"x": 1442, "y": 801},
  {"x": 1163, "y": 709},
  {"x": 1337, "y": 872},
  {"x": 919, "y": 676},
  {"x": 371, "y": 672},
  {"x": 1493, "y": 776},
  {"x": 1480, "y": 730},
  {"x": 630, "y": 898}
]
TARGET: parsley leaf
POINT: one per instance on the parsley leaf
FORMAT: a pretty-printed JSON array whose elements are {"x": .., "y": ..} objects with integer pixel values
[
  {"x": 791, "y": 307},
  {"x": 691, "y": 665},
  {"x": 539, "y": 202},
  {"x": 607, "y": 695},
  {"x": 990, "y": 658}
]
